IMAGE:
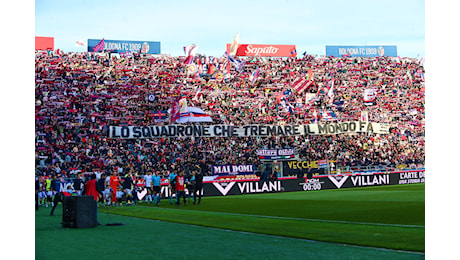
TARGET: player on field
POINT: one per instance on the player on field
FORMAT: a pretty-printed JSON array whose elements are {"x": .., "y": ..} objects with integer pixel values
[
  {"x": 148, "y": 178},
  {"x": 172, "y": 186},
  {"x": 156, "y": 183}
]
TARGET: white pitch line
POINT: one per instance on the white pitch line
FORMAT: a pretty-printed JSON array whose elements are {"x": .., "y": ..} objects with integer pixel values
[{"x": 301, "y": 219}]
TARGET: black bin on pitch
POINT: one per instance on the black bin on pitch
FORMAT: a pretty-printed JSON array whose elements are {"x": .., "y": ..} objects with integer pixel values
[{"x": 79, "y": 212}]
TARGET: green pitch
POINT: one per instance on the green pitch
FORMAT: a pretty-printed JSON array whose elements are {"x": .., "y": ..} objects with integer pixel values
[{"x": 386, "y": 217}]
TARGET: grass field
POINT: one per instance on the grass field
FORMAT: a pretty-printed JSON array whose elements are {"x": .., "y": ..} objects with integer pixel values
[{"x": 362, "y": 223}]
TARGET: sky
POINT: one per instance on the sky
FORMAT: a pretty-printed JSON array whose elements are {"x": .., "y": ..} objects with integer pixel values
[{"x": 310, "y": 25}]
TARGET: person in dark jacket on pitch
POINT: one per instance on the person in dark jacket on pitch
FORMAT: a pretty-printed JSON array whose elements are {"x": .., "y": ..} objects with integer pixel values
[
  {"x": 128, "y": 185},
  {"x": 264, "y": 176},
  {"x": 100, "y": 187},
  {"x": 37, "y": 189},
  {"x": 59, "y": 197},
  {"x": 198, "y": 187}
]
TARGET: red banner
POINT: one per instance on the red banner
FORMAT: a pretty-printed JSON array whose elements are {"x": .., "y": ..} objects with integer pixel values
[
  {"x": 264, "y": 50},
  {"x": 44, "y": 43}
]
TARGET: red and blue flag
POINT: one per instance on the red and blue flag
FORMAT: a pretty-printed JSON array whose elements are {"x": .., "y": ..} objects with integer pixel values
[
  {"x": 160, "y": 115},
  {"x": 99, "y": 47}
]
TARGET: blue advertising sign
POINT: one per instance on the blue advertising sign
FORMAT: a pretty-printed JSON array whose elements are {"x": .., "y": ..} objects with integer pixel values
[
  {"x": 118, "y": 46},
  {"x": 362, "y": 51},
  {"x": 67, "y": 186}
]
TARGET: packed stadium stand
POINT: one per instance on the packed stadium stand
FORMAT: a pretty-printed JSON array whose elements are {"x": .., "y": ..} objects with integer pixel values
[{"x": 79, "y": 95}]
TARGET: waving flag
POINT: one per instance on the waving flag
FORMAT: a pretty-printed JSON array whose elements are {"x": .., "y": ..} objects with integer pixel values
[
  {"x": 211, "y": 68},
  {"x": 316, "y": 117},
  {"x": 364, "y": 116},
  {"x": 175, "y": 112},
  {"x": 290, "y": 108},
  {"x": 310, "y": 74},
  {"x": 300, "y": 84},
  {"x": 191, "y": 69},
  {"x": 190, "y": 53},
  {"x": 160, "y": 115},
  {"x": 237, "y": 63},
  {"x": 194, "y": 114},
  {"x": 284, "y": 103},
  {"x": 297, "y": 83},
  {"x": 234, "y": 46},
  {"x": 324, "y": 89},
  {"x": 183, "y": 105},
  {"x": 309, "y": 98},
  {"x": 198, "y": 91},
  {"x": 287, "y": 92},
  {"x": 79, "y": 43},
  {"x": 369, "y": 96},
  {"x": 226, "y": 70},
  {"x": 254, "y": 75},
  {"x": 99, "y": 47},
  {"x": 304, "y": 86},
  {"x": 330, "y": 93},
  {"x": 339, "y": 105},
  {"x": 328, "y": 115}
]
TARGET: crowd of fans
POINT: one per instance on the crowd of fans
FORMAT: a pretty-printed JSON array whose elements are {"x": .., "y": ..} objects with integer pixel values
[{"x": 78, "y": 95}]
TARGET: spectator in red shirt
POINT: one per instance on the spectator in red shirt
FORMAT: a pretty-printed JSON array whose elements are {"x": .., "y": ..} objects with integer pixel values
[
  {"x": 90, "y": 188},
  {"x": 180, "y": 187}
]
